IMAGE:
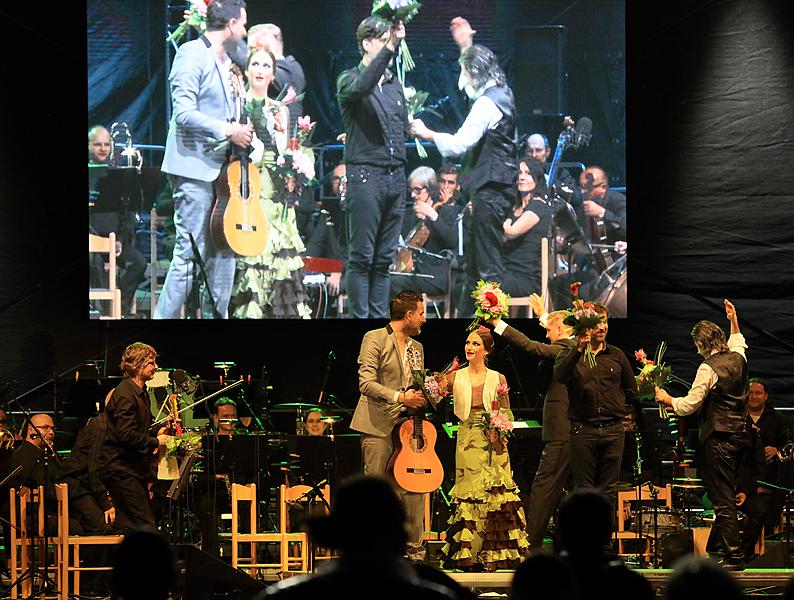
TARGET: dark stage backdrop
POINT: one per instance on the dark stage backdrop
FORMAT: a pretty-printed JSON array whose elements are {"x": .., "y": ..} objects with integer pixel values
[{"x": 711, "y": 144}]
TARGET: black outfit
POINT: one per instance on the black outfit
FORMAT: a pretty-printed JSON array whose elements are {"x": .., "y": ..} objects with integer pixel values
[
  {"x": 88, "y": 496},
  {"x": 376, "y": 123},
  {"x": 726, "y": 441},
  {"x": 127, "y": 454},
  {"x": 614, "y": 218},
  {"x": 491, "y": 167},
  {"x": 289, "y": 73},
  {"x": 522, "y": 254},
  {"x": 554, "y": 469},
  {"x": 597, "y": 399},
  {"x": 443, "y": 236},
  {"x": 38, "y": 469}
]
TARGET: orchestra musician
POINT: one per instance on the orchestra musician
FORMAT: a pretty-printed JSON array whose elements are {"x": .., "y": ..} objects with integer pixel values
[
  {"x": 224, "y": 416},
  {"x": 431, "y": 231},
  {"x": 129, "y": 446}
]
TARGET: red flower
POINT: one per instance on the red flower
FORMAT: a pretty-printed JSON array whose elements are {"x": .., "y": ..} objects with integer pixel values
[
  {"x": 494, "y": 405},
  {"x": 493, "y": 300},
  {"x": 575, "y": 288},
  {"x": 294, "y": 144},
  {"x": 640, "y": 355}
]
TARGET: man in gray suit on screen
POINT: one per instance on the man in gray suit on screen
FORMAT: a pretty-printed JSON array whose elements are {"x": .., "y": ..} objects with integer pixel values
[
  {"x": 203, "y": 109},
  {"x": 385, "y": 365}
]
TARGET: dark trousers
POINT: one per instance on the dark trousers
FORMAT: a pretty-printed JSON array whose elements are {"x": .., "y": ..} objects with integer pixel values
[
  {"x": 490, "y": 207},
  {"x": 722, "y": 456},
  {"x": 595, "y": 455},
  {"x": 553, "y": 473},
  {"x": 134, "y": 264},
  {"x": 375, "y": 206},
  {"x": 131, "y": 498},
  {"x": 756, "y": 508}
]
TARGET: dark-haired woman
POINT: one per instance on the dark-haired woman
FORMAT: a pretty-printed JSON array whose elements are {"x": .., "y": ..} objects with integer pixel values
[
  {"x": 487, "y": 528},
  {"x": 523, "y": 230}
]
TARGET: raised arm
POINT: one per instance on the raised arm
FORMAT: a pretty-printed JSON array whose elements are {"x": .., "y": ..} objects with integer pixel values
[{"x": 733, "y": 319}]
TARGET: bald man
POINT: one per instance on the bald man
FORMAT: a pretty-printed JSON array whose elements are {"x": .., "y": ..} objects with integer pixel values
[{"x": 37, "y": 449}]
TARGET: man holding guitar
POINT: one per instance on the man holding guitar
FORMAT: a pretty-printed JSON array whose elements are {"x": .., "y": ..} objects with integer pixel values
[
  {"x": 384, "y": 373},
  {"x": 203, "y": 108},
  {"x": 605, "y": 210}
]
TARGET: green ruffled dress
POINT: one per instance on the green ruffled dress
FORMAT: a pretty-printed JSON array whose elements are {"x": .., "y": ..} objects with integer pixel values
[
  {"x": 270, "y": 286},
  {"x": 487, "y": 528}
]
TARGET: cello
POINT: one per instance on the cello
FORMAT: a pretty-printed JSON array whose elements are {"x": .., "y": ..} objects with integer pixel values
[{"x": 238, "y": 222}]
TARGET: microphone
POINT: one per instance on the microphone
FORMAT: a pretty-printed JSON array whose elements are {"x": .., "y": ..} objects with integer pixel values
[{"x": 583, "y": 133}]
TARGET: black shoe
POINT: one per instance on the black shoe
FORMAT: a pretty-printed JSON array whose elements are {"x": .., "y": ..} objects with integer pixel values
[{"x": 731, "y": 564}]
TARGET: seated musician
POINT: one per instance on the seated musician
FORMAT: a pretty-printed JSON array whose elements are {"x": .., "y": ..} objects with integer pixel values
[
  {"x": 131, "y": 261},
  {"x": 224, "y": 416},
  {"x": 428, "y": 233},
  {"x": 89, "y": 500},
  {"x": 526, "y": 225},
  {"x": 314, "y": 422},
  {"x": 597, "y": 202}
]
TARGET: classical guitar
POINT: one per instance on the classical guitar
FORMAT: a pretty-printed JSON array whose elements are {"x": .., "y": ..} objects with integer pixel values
[
  {"x": 414, "y": 464},
  {"x": 238, "y": 222}
]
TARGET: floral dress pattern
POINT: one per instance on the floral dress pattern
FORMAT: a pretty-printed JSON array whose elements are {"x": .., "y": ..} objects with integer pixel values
[{"x": 487, "y": 527}]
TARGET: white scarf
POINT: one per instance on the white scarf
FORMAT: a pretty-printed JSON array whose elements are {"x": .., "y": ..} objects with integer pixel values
[{"x": 461, "y": 391}]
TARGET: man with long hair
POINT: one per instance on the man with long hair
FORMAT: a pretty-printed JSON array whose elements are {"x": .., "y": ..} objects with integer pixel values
[
  {"x": 487, "y": 138},
  {"x": 129, "y": 445},
  {"x": 720, "y": 392}
]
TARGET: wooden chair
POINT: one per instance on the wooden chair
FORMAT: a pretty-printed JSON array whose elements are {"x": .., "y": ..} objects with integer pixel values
[
  {"x": 638, "y": 494},
  {"x": 298, "y": 541},
  {"x": 69, "y": 547},
  {"x": 112, "y": 293},
  {"x": 429, "y": 534},
  {"x": 247, "y": 494},
  {"x": 23, "y": 542}
]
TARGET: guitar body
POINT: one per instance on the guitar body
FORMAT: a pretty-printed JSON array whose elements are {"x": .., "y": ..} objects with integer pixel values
[
  {"x": 415, "y": 465},
  {"x": 238, "y": 222}
]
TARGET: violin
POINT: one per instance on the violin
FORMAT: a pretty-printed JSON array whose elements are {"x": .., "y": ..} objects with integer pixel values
[
  {"x": 238, "y": 221},
  {"x": 417, "y": 237}
]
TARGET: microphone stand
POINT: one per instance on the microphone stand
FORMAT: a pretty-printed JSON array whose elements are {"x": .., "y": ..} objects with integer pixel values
[
  {"x": 328, "y": 363},
  {"x": 200, "y": 262}
]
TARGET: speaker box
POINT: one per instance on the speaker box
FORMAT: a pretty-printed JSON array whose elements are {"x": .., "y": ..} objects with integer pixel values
[
  {"x": 774, "y": 557},
  {"x": 201, "y": 576},
  {"x": 541, "y": 77},
  {"x": 676, "y": 545}
]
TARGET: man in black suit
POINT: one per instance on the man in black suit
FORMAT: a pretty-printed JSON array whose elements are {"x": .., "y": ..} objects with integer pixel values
[{"x": 554, "y": 469}]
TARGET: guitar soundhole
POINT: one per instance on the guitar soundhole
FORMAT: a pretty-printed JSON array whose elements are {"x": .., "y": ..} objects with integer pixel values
[{"x": 418, "y": 444}]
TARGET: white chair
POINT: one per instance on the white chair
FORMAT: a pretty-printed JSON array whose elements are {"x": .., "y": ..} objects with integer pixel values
[{"x": 112, "y": 293}]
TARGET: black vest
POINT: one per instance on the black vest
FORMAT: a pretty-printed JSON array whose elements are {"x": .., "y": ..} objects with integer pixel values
[
  {"x": 724, "y": 408},
  {"x": 493, "y": 158}
]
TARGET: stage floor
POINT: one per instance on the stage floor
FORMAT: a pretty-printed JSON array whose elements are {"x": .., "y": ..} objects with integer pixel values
[{"x": 760, "y": 581}]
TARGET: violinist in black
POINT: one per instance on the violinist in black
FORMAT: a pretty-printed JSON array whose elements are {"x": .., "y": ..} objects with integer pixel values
[{"x": 431, "y": 232}]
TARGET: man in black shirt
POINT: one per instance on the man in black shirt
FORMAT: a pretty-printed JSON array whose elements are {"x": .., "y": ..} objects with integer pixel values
[
  {"x": 597, "y": 398},
  {"x": 373, "y": 110},
  {"x": 129, "y": 446},
  {"x": 761, "y": 505}
]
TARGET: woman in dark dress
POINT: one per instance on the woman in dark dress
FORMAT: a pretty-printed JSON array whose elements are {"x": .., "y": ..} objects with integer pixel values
[{"x": 523, "y": 230}]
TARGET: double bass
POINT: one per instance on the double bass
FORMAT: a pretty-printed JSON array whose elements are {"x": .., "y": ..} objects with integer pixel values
[{"x": 238, "y": 222}]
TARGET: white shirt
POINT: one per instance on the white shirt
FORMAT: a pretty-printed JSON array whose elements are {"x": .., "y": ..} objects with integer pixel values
[
  {"x": 705, "y": 380},
  {"x": 484, "y": 115}
]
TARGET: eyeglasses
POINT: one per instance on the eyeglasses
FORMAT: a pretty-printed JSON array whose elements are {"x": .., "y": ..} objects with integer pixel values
[{"x": 417, "y": 190}]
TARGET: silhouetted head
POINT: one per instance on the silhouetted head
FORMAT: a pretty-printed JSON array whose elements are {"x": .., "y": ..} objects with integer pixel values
[
  {"x": 367, "y": 519},
  {"x": 143, "y": 567},
  {"x": 585, "y": 523},
  {"x": 695, "y": 579},
  {"x": 544, "y": 576}
]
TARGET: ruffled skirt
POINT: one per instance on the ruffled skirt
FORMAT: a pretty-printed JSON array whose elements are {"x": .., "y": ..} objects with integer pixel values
[
  {"x": 487, "y": 527},
  {"x": 270, "y": 286}
]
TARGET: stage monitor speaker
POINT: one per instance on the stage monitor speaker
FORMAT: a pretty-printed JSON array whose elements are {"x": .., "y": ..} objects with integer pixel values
[
  {"x": 201, "y": 576},
  {"x": 541, "y": 81},
  {"x": 774, "y": 557},
  {"x": 676, "y": 545}
]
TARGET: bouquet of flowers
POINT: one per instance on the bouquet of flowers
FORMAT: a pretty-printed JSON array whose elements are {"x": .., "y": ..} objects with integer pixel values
[
  {"x": 432, "y": 384},
  {"x": 497, "y": 424},
  {"x": 394, "y": 11},
  {"x": 179, "y": 445},
  {"x": 653, "y": 374},
  {"x": 490, "y": 301},
  {"x": 415, "y": 104},
  {"x": 195, "y": 16},
  {"x": 581, "y": 317}
]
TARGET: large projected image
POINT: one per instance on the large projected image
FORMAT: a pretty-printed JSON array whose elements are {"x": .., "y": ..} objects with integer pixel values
[{"x": 260, "y": 171}]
